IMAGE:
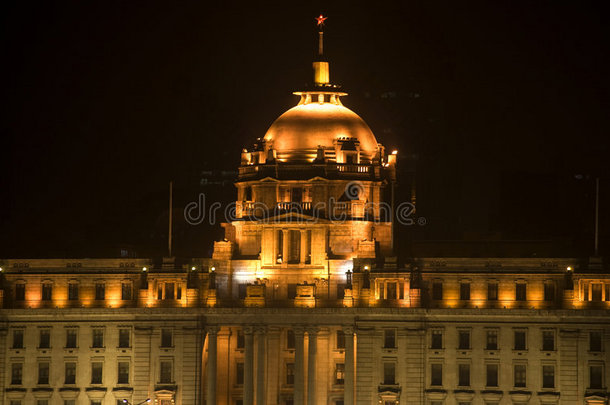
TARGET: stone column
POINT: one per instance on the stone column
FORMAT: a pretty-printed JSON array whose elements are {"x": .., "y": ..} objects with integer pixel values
[
  {"x": 348, "y": 395},
  {"x": 249, "y": 367},
  {"x": 274, "y": 366},
  {"x": 299, "y": 365},
  {"x": 311, "y": 365},
  {"x": 211, "y": 371},
  {"x": 303, "y": 246},
  {"x": 285, "y": 245},
  {"x": 261, "y": 376}
]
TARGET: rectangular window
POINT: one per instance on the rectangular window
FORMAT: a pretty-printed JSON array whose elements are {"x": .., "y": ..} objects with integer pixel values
[
  {"x": 44, "y": 340},
  {"x": 437, "y": 290},
  {"x": 165, "y": 375},
  {"x": 166, "y": 338},
  {"x": 241, "y": 339},
  {"x": 389, "y": 373},
  {"x": 47, "y": 292},
  {"x": 595, "y": 341},
  {"x": 464, "y": 375},
  {"x": 340, "y": 340},
  {"x": 389, "y": 338},
  {"x": 290, "y": 339},
  {"x": 73, "y": 402},
  {"x": 492, "y": 291},
  {"x": 123, "y": 372},
  {"x": 548, "y": 376},
  {"x": 339, "y": 373},
  {"x": 72, "y": 291},
  {"x": 126, "y": 291},
  {"x": 520, "y": 375},
  {"x": 96, "y": 372},
  {"x": 549, "y": 291},
  {"x": 492, "y": 375},
  {"x": 97, "y": 338},
  {"x": 160, "y": 292},
  {"x": 17, "y": 338},
  {"x": 124, "y": 338},
  {"x": 19, "y": 292},
  {"x": 70, "y": 373},
  {"x": 436, "y": 339},
  {"x": 42, "y": 402},
  {"x": 100, "y": 291},
  {"x": 596, "y": 376},
  {"x": 520, "y": 291},
  {"x": 464, "y": 339},
  {"x": 436, "y": 374},
  {"x": 43, "y": 372},
  {"x": 464, "y": 291},
  {"x": 239, "y": 374},
  {"x": 178, "y": 292},
  {"x": 16, "y": 373},
  {"x": 520, "y": 340},
  {"x": 548, "y": 340},
  {"x": 15, "y": 402},
  {"x": 491, "y": 342},
  {"x": 169, "y": 291},
  {"x": 289, "y": 373},
  {"x": 71, "y": 338}
]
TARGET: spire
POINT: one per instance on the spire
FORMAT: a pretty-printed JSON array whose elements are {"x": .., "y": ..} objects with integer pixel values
[{"x": 320, "y": 67}]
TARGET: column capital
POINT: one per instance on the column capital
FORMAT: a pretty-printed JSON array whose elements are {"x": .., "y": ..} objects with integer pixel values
[
  {"x": 312, "y": 330},
  {"x": 260, "y": 330},
  {"x": 248, "y": 329},
  {"x": 298, "y": 330},
  {"x": 212, "y": 329},
  {"x": 348, "y": 329}
]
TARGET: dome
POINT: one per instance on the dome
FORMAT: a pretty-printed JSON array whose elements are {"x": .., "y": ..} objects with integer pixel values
[{"x": 300, "y": 131}]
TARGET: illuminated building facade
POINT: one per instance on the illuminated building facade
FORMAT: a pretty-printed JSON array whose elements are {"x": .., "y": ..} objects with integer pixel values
[{"x": 303, "y": 302}]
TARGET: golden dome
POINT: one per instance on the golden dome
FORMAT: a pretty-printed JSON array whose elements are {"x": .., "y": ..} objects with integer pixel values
[{"x": 301, "y": 131}]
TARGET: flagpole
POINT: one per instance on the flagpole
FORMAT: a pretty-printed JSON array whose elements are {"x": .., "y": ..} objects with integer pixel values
[{"x": 169, "y": 239}]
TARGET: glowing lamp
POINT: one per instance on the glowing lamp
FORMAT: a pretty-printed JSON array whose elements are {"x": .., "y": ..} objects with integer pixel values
[
  {"x": 569, "y": 268},
  {"x": 144, "y": 268},
  {"x": 394, "y": 152},
  {"x": 366, "y": 268},
  {"x": 1, "y": 269},
  {"x": 193, "y": 268},
  {"x": 213, "y": 269}
]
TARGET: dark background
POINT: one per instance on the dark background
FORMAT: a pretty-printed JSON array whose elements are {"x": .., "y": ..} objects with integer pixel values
[{"x": 501, "y": 107}]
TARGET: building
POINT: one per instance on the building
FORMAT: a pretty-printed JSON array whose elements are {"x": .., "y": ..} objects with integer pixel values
[{"x": 303, "y": 302}]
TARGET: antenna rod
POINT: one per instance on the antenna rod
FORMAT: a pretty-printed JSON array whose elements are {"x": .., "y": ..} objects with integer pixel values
[
  {"x": 169, "y": 239},
  {"x": 321, "y": 42},
  {"x": 597, "y": 216}
]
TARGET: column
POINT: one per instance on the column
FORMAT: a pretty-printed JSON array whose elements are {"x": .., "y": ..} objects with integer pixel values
[
  {"x": 249, "y": 366},
  {"x": 274, "y": 366},
  {"x": 299, "y": 360},
  {"x": 261, "y": 376},
  {"x": 312, "y": 334},
  {"x": 210, "y": 389},
  {"x": 348, "y": 395},
  {"x": 303, "y": 246},
  {"x": 285, "y": 252}
]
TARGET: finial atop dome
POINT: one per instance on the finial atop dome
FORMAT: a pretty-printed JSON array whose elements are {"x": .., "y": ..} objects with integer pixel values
[{"x": 321, "y": 74}]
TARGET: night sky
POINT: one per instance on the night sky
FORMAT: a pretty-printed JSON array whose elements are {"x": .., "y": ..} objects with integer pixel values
[{"x": 501, "y": 106}]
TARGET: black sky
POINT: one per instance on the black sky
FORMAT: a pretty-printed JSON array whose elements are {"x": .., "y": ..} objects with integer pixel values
[{"x": 504, "y": 105}]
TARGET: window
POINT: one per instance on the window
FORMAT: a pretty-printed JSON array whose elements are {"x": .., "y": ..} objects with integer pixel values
[
  {"x": 548, "y": 340},
  {"x": 437, "y": 290},
  {"x": 340, "y": 339},
  {"x": 465, "y": 291},
  {"x": 289, "y": 373},
  {"x": 492, "y": 375},
  {"x": 160, "y": 292},
  {"x": 165, "y": 374},
  {"x": 96, "y": 372},
  {"x": 71, "y": 337},
  {"x": 47, "y": 292},
  {"x": 520, "y": 291},
  {"x": 96, "y": 402},
  {"x": 166, "y": 338},
  {"x": 15, "y": 402},
  {"x": 596, "y": 292},
  {"x": 389, "y": 373},
  {"x": 124, "y": 338},
  {"x": 100, "y": 291},
  {"x": 549, "y": 291},
  {"x": 436, "y": 339},
  {"x": 520, "y": 375},
  {"x": 72, "y": 291},
  {"x": 464, "y": 339},
  {"x": 389, "y": 338},
  {"x": 42, "y": 402},
  {"x": 239, "y": 373},
  {"x": 290, "y": 344},
  {"x": 73, "y": 402},
  {"x": 491, "y": 342},
  {"x": 596, "y": 376},
  {"x": 20, "y": 292},
  {"x": 44, "y": 340},
  {"x": 70, "y": 373},
  {"x": 126, "y": 291},
  {"x": 339, "y": 373},
  {"x": 43, "y": 372},
  {"x": 464, "y": 375},
  {"x": 520, "y": 340},
  {"x": 436, "y": 374},
  {"x": 548, "y": 376},
  {"x": 241, "y": 340},
  {"x": 17, "y": 338},
  {"x": 97, "y": 338},
  {"x": 169, "y": 291},
  {"x": 492, "y": 291},
  {"x": 16, "y": 373},
  {"x": 595, "y": 341},
  {"x": 123, "y": 372}
]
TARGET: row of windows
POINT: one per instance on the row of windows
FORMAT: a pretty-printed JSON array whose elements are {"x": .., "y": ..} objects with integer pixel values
[
  {"x": 492, "y": 291},
  {"x": 97, "y": 368},
  {"x": 519, "y": 375},
  {"x": 97, "y": 338},
  {"x": 548, "y": 340},
  {"x": 66, "y": 402},
  {"x": 165, "y": 291}
]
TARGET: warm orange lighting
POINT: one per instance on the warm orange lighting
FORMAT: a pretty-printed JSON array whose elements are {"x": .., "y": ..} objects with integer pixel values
[
  {"x": 321, "y": 20},
  {"x": 394, "y": 152},
  {"x": 569, "y": 268}
]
